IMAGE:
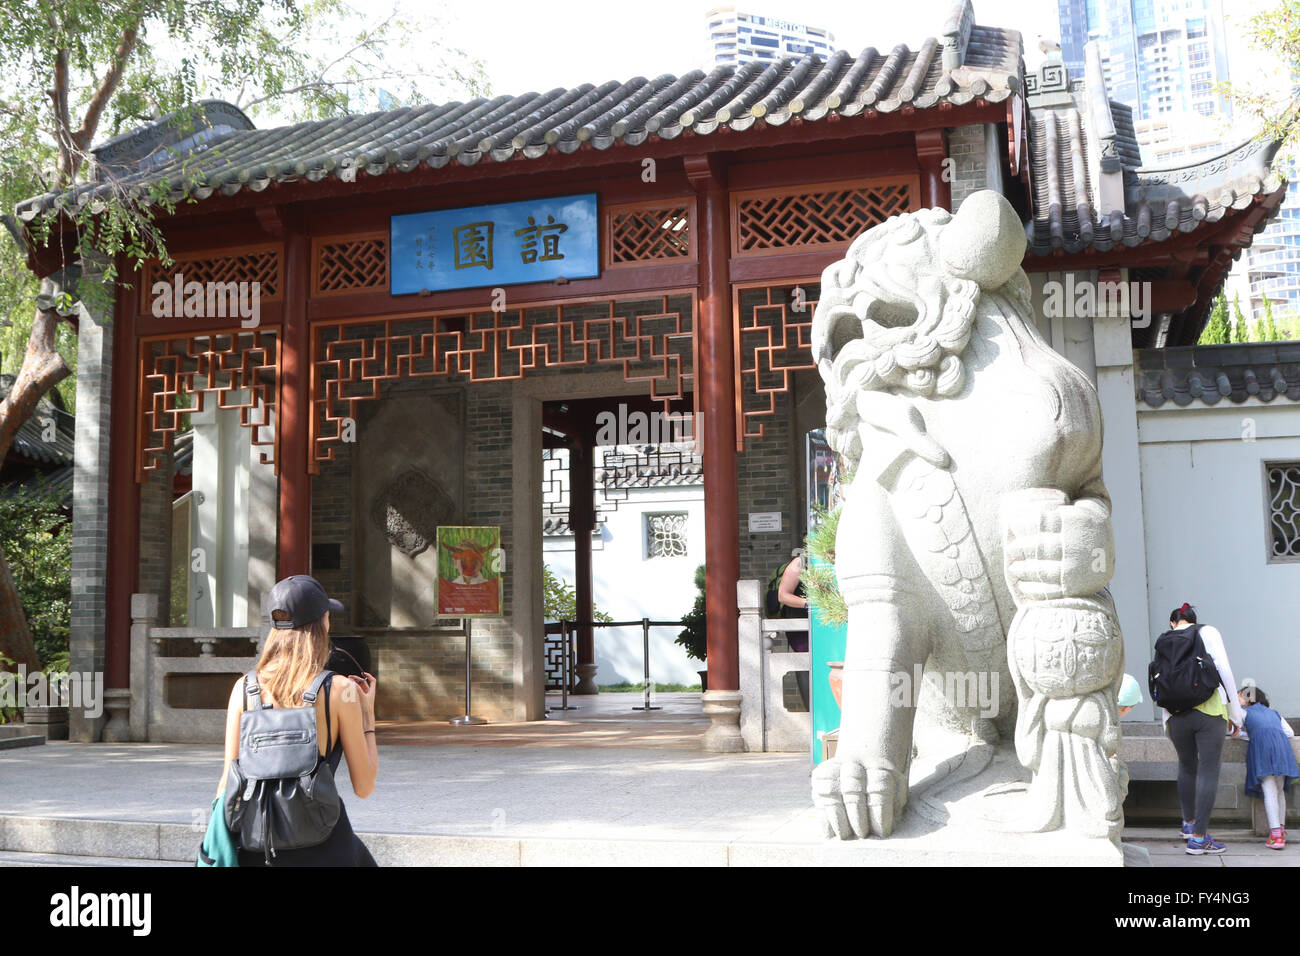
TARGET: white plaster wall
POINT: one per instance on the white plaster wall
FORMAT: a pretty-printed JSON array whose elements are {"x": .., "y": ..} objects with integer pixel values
[
  {"x": 1205, "y": 503},
  {"x": 629, "y": 586}
]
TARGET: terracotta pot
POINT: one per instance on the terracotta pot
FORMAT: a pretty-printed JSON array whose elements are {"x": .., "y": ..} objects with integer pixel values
[{"x": 837, "y": 680}]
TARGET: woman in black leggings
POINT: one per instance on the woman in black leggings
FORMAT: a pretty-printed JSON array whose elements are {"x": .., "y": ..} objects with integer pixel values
[{"x": 1198, "y": 736}]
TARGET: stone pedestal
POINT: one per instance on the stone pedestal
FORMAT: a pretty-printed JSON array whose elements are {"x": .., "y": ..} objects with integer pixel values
[
  {"x": 723, "y": 709},
  {"x": 117, "y": 705},
  {"x": 50, "y": 721},
  {"x": 586, "y": 680}
]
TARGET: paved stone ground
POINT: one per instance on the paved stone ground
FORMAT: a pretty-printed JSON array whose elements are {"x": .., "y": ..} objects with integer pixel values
[{"x": 597, "y": 775}]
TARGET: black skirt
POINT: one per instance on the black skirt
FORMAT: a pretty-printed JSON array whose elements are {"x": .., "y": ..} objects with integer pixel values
[{"x": 342, "y": 848}]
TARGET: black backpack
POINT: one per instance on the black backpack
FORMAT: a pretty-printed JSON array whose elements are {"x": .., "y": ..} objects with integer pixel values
[
  {"x": 280, "y": 793},
  {"x": 1182, "y": 674}
]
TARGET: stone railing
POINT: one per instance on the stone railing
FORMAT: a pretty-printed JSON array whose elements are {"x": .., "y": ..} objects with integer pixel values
[
  {"x": 765, "y": 723},
  {"x": 152, "y": 718}
]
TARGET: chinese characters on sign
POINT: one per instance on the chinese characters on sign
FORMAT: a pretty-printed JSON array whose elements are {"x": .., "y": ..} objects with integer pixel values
[{"x": 506, "y": 244}]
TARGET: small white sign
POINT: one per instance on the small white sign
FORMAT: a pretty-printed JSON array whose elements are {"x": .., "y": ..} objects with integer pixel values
[{"x": 765, "y": 521}]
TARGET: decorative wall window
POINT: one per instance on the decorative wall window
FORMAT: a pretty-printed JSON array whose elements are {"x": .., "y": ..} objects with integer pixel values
[
  {"x": 665, "y": 535},
  {"x": 1283, "y": 482}
]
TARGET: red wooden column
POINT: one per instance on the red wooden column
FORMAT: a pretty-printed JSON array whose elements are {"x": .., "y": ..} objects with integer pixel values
[
  {"x": 715, "y": 379},
  {"x": 294, "y": 409},
  {"x": 931, "y": 151},
  {"x": 123, "y": 558}
]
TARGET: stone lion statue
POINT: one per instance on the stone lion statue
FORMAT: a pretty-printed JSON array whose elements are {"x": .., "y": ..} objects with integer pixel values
[{"x": 975, "y": 542}]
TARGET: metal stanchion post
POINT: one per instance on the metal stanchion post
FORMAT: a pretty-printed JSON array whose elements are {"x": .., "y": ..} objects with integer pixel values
[
  {"x": 466, "y": 718},
  {"x": 645, "y": 652},
  {"x": 565, "y": 668}
]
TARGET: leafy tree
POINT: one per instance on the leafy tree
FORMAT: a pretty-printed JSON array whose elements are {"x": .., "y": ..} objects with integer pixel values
[
  {"x": 1216, "y": 331},
  {"x": 560, "y": 600},
  {"x": 82, "y": 70},
  {"x": 36, "y": 539},
  {"x": 1240, "y": 333},
  {"x": 1271, "y": 331},
  {"x": 1275, "y": 33},
  {"x": 695, "y": 636}
]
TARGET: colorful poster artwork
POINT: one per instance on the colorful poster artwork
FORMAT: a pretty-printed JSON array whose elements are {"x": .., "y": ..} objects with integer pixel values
[{"x": 470, "y": 571}]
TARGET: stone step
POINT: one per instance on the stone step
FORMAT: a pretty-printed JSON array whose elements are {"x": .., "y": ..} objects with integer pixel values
[
  {"x": 28, "y": 740},
  {"x": 15, "y": 730},
  {"x": 14, "y": 858},
  {"x": 155, "y": 843}
]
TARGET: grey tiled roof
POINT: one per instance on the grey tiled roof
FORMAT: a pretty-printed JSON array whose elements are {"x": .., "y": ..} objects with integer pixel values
[
  {"x": 1212, "y": 373},
  {"x": 964, "y": 63},
  {"x": 1090, "y": 190}
]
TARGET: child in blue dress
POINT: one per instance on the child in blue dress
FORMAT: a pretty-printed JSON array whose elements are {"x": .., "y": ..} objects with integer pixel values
[{"x": 1270, "y": 762}]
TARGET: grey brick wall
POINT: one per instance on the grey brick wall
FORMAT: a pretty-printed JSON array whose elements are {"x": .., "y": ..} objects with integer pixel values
[
  {"x": 89, "y": 501},
  {"x": 156, "y": 535},
  {"x": 967, "y": 147},
  {"x": 766, "y": 481}
]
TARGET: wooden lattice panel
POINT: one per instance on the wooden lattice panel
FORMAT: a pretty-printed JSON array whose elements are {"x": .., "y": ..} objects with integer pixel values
[
  {"x": 773, "y": 341},
  {"x": 343, "y": 264},
  {"x": 260, "y": 264},
  {"x": 826, "y": 215},
  {"x": 649, "y": 232},
  {"x": 651, "y": 339},
  {"x": 177, "y": 376}
]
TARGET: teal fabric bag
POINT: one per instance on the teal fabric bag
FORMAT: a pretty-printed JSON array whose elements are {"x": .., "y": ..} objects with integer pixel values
[{"x": 217, "y": 848}]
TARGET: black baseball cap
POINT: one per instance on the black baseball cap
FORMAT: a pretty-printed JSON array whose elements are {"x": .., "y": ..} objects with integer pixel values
[{"x": 302, "y": 598}]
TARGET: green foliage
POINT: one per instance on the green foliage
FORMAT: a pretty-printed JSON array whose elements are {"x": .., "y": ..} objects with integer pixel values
[
  {"x": 819, "y": 570},
  {"x": 1239, "y": 330},
  {"x": 37, "y": 544},
  {"x": 81, "y": 71},
  {"x": 1271, "y": 331},
  {"x": 626, "y": 687},
  {"x": 1274, "y": 108},
  {"x": 1217, "y": 331},
  {"x": 560, "y": 600},
  {"x": 1269, "y": 328},
  {"x": 694, "y": 637}
]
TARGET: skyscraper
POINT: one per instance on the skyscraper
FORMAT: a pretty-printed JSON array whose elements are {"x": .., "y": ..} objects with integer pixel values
[
  {"x": 736, "y": 38},
  {"x": 1160, "y": 56}
]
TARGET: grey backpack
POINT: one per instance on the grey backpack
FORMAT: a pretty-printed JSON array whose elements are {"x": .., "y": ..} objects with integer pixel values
[{"x": 280, "y": 793}]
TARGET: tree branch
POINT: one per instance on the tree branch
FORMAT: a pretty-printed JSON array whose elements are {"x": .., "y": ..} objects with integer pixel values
[{"x": 108, "y": 86}]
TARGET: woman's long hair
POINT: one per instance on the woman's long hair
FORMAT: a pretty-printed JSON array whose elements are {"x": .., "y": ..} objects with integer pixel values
[{"x": 291, "y": 658}]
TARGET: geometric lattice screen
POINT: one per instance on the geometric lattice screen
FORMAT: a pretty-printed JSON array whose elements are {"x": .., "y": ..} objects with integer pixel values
[
  {"x": 260, "y": 264},
  {"x": 649, "y": 233},
  {"x": 766, "y": 221},
  {"x": 774, "y": 333},
  {"x": 350, "y": 264}
]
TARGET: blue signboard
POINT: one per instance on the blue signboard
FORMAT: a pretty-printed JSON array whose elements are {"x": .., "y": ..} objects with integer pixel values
[{"x": 537, "y": 240}]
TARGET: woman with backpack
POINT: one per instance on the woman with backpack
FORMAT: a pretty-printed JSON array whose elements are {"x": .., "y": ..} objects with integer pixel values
[
  {"x": 1197, "y": 730},
  {"x": 289, "y": 673}
]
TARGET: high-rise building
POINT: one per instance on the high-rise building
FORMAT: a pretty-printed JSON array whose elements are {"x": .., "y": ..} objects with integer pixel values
[
  {"x": 1159, "y": 56},
  {"x": 736, "y": 38}
]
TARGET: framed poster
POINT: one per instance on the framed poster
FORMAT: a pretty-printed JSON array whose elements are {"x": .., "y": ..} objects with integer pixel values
[{"x": 471, "y": 566}]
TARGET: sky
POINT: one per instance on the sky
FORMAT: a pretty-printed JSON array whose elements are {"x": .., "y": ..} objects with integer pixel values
[{"x": 527, "y": 45}]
